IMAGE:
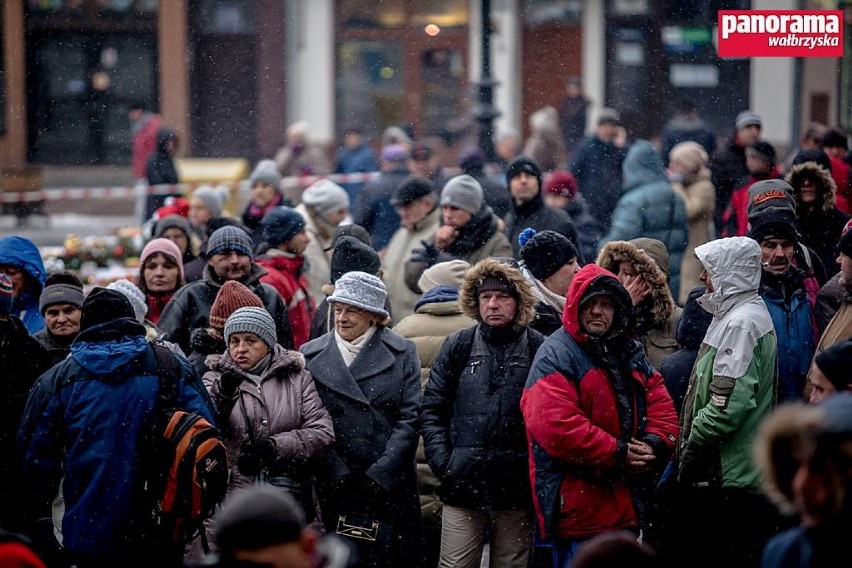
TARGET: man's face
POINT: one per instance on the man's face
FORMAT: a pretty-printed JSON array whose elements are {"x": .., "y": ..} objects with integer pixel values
[
  {"x": 262, "y": 194},
  {"x": 297, "y": 554},
  {"x": 755, "y": 165},
  {"x": 606, "y": 131},
  {"x": 845, "y": 263},
  {"x": 416, "y": 211},
  {"x": 135, "y": 115},
  {"x": 17, "y": 276},
  {"x": 705, "y": 278},
  {"x": 524, "y": 186},
  {"x": 455, "y": 217},
  {"x": 821, "y": 387},
  {"x": 596, "y": 315},
  {"x": 748, "y": 135},
  {"x": 808, "y": 190},
  {"x": 423, "y": 167},
  {"x": 62, "y": 320},
  {"x": 178, "y": 237},
  {"x": 298, "y": 243},
  {"x": 230, "y": 265},
  {"x": 560, "y": 281},
  {"x": 353, "y": 140},
  {"x": 497, "y": 308},
  {"x": 508, "y": 147},
  {"x": 776, "y": 255}
]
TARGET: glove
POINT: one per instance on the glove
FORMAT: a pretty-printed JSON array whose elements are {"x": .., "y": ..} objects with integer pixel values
[
  {"x": 248, "y": 460},
  {"x": 428, "y": 254},
  {"x": 229, "y": 383},
  {"x": 268, "y": 450},
  {"x": 201, "y": 341}
]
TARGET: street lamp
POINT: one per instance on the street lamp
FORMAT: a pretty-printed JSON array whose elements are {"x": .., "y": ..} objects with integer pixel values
[{"x": 484, "y": 111}]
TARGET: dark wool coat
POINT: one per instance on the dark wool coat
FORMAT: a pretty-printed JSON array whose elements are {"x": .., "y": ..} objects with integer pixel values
[{"x": 375, "y": 407}]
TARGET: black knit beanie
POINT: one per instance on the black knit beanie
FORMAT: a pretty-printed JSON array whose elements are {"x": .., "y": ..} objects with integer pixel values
[
  {"x": 545, "y": 252},
  {"x": 834, "y": 363},
  {"x": 351, "y": 254},
  {"x": 103, "y": 306},
  {"x": 256, "y": 517},
  {"x": 524, "y": 164}
]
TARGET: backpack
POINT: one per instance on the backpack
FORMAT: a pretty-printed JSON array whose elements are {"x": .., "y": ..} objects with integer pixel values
[{"x": 189, "y": 475}]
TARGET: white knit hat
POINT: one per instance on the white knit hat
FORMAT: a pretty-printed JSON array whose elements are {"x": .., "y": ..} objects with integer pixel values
[
  {"x": 252, "y": 320},
  {"x": 361, "y": 290},
  {"x": 450, "y": 273},
  {"x": 134, "y": 295},
  {"x": 325, "y": 196}
]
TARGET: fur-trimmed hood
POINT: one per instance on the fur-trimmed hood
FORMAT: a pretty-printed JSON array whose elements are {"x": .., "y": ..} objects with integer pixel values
[
  {"x": 657, "y": 307},
  {"x": 469, "y": 300},
  {"x": 826, "y": 188}
]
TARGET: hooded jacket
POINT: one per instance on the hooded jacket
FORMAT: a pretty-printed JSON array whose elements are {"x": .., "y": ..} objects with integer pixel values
[
  {"x": 160, "y": 167},
  {"x": 284, "y": 272},
  {"x": 732, "y": 386},
  {"x": 84, "y": 422},
  {"x": 655, "y": 320},
  {"x": 649, "y": 207},
  {"x": 584, "y": 399},
  {"x": 23, "y": 254},
  {"x": 819, "y": 224},
  {"x": 471, "y": 421},
  {"x": 699, "y": 197}
]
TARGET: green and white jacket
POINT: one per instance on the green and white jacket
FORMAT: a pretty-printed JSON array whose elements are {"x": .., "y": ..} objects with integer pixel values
[{"x": 733, "y": 383}]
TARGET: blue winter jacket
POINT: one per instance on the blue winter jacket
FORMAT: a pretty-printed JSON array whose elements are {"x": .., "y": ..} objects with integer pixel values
[
  {"x": 794, "y": 330},
  {"x": 84, "y": 421},
  {"x": 649, "y": 207},
  {"x": 21, "y": 252},
  {"x": 355, "y": 160}
]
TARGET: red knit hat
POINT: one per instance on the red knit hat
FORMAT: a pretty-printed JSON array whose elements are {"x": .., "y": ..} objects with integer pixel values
[
  {"x": 231, "y": 297},
  {"x": 561, "y": 182}
]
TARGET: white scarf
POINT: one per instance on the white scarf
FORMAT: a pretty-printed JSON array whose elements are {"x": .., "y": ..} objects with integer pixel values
[
  {"x": 350, "y": 349},
  {"x": 545, "y": 295}
]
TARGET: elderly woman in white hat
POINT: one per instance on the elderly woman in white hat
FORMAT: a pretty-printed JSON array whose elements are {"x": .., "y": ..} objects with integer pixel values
[{"x": 369, "y": 379}]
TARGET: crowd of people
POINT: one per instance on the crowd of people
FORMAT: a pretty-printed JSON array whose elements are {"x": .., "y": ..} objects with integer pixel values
[{"x": 640, "y": 357}]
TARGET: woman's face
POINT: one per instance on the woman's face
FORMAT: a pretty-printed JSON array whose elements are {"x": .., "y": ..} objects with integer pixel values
[
  {"x": 262, "y": 194},
  {"x": 351, "y": 322},
  {"x": 178, "y": 237},
  {"x": 199, "y": 214},
  {"x": 246, "y": 349},
  {"x": 161, "y": 274}
]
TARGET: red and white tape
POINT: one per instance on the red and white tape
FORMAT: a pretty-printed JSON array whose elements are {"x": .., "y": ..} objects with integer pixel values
[{"x": 126, "y": 191}]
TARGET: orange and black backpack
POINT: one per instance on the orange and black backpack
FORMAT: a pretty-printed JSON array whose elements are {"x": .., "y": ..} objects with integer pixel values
[{"x": 189, "y": 473}]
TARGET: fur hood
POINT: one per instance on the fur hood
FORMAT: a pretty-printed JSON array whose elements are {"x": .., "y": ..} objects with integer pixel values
[
  {"x": 469, "y": 301},
  {"x": 656, "y": 309},
  {"x": 826, "y": 188}
]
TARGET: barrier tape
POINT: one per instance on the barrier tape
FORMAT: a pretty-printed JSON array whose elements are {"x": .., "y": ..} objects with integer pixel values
[{"x": 121, "y": 191}]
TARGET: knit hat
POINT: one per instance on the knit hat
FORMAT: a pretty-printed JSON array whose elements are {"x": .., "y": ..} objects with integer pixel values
[
  {"x": 256, "y": 517},
  {"x": 351, "y": 254},
  {"x": 770, "y": 193},
  {"x": 172, "y": 221},
  {"x": 163, "y": 246},
  {"x": 493, "y": 283},
  {"x": 104, "y": 306},
  {"x": 134, "y": 295},
  {"x": 815, "y": 155},
  {"x": 562, "y": 183},
  {"x": 834, "y": 363},
  {"x": 748, "y": 118},
  {"x": 7, "y": 294},
  {"x": 411, "y": 190},
  {"x": 608, "y": 116},
  {"x": 771, "y": 211},
  {"x": 325, "y": 197},
  {"x": 844, "y": 245},
  {"x": 230, "y": 238},
  {"x": 689, "y": 154},
  {"x": 837, "y": 416},
  {"x": 450, "y": 273},
  {"x": 61, "y": 288},
  {"x": 351, "y": 230},
  {"x": 463, "y": 192},
  {"x": 545, "y": 252},
  {"x": 265, "y": 172},
  {"x": 214, "y": 198},
  {"x": 835, "y": 138},
  {"x": 472, "y": 159},
  {"x": 763, "y": 150},
  {"x": 394, "y": 153},
  {"x": 524, "y": 164},
  {"x": 361, "y": 290},
  {"x": 280, "y": 224},
  {"x": 231, "y": 297},
  {"x": 252, "y": 320}
]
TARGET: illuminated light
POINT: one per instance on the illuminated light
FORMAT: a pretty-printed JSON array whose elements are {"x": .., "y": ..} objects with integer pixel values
[
  {"x": 387, "y": 72},
  {"x": 432, "y": 30}
]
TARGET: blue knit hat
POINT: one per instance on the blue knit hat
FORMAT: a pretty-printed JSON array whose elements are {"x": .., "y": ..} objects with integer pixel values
[
  {"x": 252, "y": 320},
  {"x": 230, "y": 238},
  {"x": 281, "y": 224}
]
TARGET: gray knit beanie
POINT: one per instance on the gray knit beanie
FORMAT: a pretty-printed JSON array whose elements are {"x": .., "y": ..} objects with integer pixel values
[
  {"x": 450, "y": 273},
  {"x": 214, "y": 198},
  {"x": 361, "y": 290},
  {"x": 325, "y": 196},
  {"x": 267, "y": 172},
  {"x": 60, "y": 294},
  {"x": 252, "y": 320},
  {"x": 463, "y": 192}
]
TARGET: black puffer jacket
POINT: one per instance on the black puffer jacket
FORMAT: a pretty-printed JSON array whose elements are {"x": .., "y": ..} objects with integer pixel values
[
  {"x": 534, "y": 213},
  {"x": 728, "y": 173}
]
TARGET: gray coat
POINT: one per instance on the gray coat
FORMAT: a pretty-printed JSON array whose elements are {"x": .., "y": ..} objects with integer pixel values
[{"x": 375, "y": 406}]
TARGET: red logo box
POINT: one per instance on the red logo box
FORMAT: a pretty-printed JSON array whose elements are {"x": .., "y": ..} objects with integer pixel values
[{"x": 780, "y": 33}]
